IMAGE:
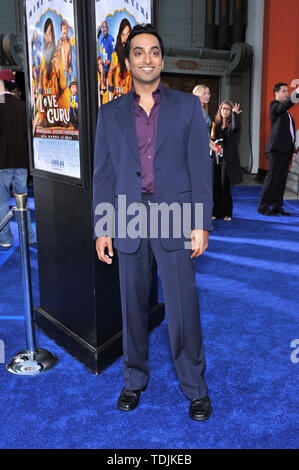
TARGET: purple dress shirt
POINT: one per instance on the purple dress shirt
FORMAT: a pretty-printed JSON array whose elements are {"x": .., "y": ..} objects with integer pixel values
[{"x": 146, "y": 129}]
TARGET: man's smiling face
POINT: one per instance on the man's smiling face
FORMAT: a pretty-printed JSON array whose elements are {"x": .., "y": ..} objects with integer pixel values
[{"x": 145, "y": 59}]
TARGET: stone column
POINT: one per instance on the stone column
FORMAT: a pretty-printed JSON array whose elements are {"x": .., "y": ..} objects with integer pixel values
[
  {"x": 224, "y": 28},
  {"x": 210, "y": 28},
  {"x": 255, "y": 34},
  {"x": 239, "y": 22}
]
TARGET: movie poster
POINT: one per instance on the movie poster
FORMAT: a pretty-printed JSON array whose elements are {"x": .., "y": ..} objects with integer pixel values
[
  {"x": 114, "y": 22},
  {"x": 54, "y": 86}
]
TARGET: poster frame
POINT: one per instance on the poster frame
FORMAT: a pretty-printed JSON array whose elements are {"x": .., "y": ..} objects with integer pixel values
[
  {"x": 83, "y": 115},
  {"x": 153, "y": 13}
]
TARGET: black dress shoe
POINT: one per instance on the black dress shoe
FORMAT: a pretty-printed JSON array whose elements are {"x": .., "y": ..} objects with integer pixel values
[
  {"x": 128, "y": 400},
  {"x": 200, "y": 408},
  {"x": 280, "y": 211},
  {"x": 265, "y": 212}
]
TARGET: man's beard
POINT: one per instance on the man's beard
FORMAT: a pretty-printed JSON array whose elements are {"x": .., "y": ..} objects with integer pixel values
[{"x": 49, "y": 52}]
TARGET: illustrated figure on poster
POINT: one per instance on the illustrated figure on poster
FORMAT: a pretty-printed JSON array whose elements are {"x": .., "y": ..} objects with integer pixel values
[
  {"x": 119, "y": 78},
  {"x": 106, "y": 44},
  {"x": 69, "y": 75},
  {"x": 101, "y": 79},
  {"x": 74, "y": 103},
  {"x": 64, "y": 47},
  {"x": 36, "y": 52},
  {"x": 35, "y": 89},
  {"x": 53, "y": 101}
]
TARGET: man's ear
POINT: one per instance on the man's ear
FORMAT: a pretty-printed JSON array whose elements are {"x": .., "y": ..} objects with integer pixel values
[
  {"x": 127, "y": 64},
  {"x": 162, "y": 64}
]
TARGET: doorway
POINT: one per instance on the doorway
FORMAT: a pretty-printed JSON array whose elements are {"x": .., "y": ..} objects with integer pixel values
[{"x": 186, "y": 83}]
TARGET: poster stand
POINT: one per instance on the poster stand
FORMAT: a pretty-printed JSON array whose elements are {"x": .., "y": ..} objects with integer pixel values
[{"x": 80, "y": 306}]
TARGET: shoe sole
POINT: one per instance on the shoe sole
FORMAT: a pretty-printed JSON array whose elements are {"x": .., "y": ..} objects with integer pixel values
[
  {"x": 267, "y": 215},
  {"x": 204, "y": 418},
  {"x": 126, "y": 409}
]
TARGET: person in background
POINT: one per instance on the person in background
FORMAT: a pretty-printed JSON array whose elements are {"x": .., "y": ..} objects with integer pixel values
[
  {"x": 226, "y": 166},
  {"x": 14, "y": 159},
  {"x": 203, "y": 92},
  {"x": 280, "y": 150}
]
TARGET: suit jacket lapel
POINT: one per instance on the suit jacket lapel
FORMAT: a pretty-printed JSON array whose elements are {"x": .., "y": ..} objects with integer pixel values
[
  {"x": 167, "y": 116},
  {"x": 126, "y": 122}
]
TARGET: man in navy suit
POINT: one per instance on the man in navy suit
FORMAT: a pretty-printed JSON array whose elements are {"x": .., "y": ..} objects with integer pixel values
[
  {"x": 280, "y": 150},
  {"x": 151, "y": 148}
]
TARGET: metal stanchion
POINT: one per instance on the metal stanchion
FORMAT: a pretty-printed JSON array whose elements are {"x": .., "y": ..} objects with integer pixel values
[{"x": 32, "y": 361}]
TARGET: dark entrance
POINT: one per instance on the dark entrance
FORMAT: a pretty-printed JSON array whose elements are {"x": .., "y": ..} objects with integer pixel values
[{"x": 186, "y": 83}]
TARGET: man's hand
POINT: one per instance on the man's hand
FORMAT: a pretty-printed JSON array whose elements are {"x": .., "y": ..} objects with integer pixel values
[
  {"x": 101, "y": 244},
  {"x": 199, "y": 242},
  {"x": 294, "y": 157}
]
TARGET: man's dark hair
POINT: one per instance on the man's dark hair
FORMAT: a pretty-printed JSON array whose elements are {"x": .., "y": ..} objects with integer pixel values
[
  {"x": 143, "y": 29},
  {"x": 9, "y": 86},
  {"x": 277, "y": 87}
]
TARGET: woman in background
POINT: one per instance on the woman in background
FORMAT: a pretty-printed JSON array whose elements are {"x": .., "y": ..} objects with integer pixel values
[
  {"x": 226, "y": 167},
  {"x": 203, "y": 93}
]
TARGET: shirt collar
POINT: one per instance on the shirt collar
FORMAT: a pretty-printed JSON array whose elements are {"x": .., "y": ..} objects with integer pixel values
[{"x": 155, "y": 93}]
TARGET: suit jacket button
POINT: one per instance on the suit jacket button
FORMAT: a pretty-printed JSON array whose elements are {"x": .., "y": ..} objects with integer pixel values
[{"x": 138, "y": 173}]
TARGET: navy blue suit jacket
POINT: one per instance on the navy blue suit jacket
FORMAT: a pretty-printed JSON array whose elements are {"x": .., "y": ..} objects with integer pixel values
[{"x": 182, "y": 165}]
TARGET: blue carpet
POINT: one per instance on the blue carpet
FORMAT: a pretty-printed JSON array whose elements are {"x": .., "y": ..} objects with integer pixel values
[{"x": 248, "y": 290}]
